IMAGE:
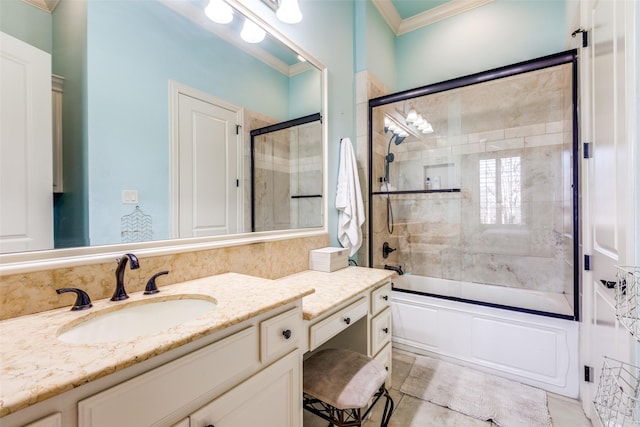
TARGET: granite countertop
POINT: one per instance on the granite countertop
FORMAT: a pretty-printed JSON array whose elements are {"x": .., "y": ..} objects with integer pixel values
[
  {"x": 36, "y": 366},
  {"x": 333, "y": 289}
]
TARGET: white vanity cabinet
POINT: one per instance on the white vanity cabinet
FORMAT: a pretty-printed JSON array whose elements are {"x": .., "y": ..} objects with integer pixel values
[
  {"x": 269, "y": 399},
  {"x": 362, "y": 323},
  {"x": 247, "y": 374},
  {"x": 268, "y": 396},
  {"x": 380, "y": 326}
]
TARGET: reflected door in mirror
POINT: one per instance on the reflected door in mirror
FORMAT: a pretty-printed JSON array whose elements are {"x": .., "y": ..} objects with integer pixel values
[
  {"x": 209, "y": 202},
  {"x": 26, "y": 192}
]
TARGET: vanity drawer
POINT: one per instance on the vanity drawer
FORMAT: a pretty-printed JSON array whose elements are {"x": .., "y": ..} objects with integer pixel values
[
  {"x": 380, "y": 298},
  {"x": 175, "y": 385},
  {"x": 337, "y": 322},
  {"x": 280, "y": 334},
  {"x": 380, "y": 330},
  {"x": 386, "y": 358}
]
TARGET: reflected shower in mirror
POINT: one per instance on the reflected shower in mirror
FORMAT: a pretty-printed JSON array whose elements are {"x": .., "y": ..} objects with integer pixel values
[{"x": 286, "y": 170}]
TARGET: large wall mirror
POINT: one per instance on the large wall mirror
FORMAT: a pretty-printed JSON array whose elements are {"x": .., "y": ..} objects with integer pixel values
[{"x": 158, "y": 106}]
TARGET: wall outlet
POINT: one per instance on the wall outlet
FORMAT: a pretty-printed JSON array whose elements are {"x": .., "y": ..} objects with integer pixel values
[{"x": 130, "y": 197}]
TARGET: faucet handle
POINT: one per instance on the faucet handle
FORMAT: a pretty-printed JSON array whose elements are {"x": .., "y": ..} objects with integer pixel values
[
  {"x": 151, "y": 287},
  {"x": 83, "y": 301}
]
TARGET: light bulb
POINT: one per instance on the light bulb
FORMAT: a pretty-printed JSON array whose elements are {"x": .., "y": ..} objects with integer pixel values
[
  {"x": 420, "y": 120},
  {"x": 218, "y": 11},
  {"x": 403, "y": 133},
  {"x": 412, "y": 116},
  {"x": 289, "y": 12},
  {"x": 251, "y": 33},
  {"x": 387, "y": 122},
  {"x": 393, "y": 127}
]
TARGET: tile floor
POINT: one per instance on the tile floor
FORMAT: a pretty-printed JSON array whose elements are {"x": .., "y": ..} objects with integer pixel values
[{"x": 412, "y": 412}]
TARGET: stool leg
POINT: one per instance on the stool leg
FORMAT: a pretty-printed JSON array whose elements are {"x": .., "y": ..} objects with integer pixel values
[{"x": 388, "y": 408}]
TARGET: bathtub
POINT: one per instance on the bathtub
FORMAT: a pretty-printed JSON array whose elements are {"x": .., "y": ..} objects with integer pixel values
[{"x": 541, "y": 351}]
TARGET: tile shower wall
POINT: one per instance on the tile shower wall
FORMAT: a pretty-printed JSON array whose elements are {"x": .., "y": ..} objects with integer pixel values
[
  {"x": 288, "y": 168},
  {"x": 491, "y": 142}
]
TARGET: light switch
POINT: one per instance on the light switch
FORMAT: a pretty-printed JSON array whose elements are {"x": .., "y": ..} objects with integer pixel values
[{"x": 130, "y": 197}]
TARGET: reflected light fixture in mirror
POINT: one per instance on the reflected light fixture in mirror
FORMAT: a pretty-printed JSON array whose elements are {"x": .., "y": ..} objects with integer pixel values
[
  {"x": 419, "y": 122},
  {"x": 289, "y": 12},
  {"x": 219, "y": 12},
  {"x": 251, "y": 33}
]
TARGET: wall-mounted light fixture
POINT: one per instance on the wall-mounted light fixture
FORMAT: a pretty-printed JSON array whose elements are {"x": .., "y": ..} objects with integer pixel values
[{"x": 287, "y": 11}]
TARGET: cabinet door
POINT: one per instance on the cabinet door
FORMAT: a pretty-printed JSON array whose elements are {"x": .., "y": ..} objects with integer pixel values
[{"x": 271, "y": 398}]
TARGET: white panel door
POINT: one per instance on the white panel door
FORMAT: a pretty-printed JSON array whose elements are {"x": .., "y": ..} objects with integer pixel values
[
  {"x": 209, "y": 191},
  {"x": 608, "y": 87},
  {"x": 26, "y": 195}
]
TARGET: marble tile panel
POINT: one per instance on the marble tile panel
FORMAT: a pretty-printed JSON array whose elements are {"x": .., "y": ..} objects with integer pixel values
[
  {"x": 541, "y": 274},
  {"x": 558, "y": 126},
  {"x": 478, "y": 147},
  {"x": 493, "y": 135},
  {"x": 523, "y": 131},
  {"x": 362, "y": 126},
  {"x": 546, "y": 139},
  {"x": 505, "y": 144}
]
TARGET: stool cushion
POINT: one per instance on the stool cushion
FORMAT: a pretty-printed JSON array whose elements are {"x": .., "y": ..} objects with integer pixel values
[{"x": 342, "y": 378}]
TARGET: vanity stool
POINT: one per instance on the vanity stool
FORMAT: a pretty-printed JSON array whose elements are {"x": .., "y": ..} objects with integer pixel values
[{"x": 339, "y": 383}]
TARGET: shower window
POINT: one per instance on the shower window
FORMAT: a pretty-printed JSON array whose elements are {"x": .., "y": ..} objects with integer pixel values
[
  {"x": 474, "y": 180},
  {"x": 500, "y": 191}
]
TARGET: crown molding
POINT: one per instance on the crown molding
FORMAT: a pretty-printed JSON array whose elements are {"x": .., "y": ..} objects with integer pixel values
[
  {"x": 389, "y": 14},
  {"x": 447, "y": 10},
  {"x": 46, "y": 5}
]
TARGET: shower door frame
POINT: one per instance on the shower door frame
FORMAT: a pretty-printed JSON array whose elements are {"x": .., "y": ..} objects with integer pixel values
[{"x": 561, "y": 58}]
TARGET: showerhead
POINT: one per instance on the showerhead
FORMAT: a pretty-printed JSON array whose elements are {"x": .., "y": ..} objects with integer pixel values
[{"x": 390, "y": 158}]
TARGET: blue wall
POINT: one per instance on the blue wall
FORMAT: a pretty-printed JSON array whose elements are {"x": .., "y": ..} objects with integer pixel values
[
  {"x": 499, "y": 33},
  {"x": 381, "y": 48},
  {"x": 26, "y": 23}
]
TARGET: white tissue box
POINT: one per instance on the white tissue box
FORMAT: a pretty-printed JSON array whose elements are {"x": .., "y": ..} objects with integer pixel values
[{"x": 328, "y": 259}]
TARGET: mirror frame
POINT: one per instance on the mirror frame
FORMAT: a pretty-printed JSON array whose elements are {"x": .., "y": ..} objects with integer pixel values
[{"x": 23, "y": 262}]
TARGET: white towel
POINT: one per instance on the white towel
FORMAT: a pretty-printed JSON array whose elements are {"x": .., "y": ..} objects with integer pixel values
[{"x": 349, "y": 200}]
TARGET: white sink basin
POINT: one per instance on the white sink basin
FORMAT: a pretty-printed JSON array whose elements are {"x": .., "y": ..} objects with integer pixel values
[{"x": 136, "y": 319}]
